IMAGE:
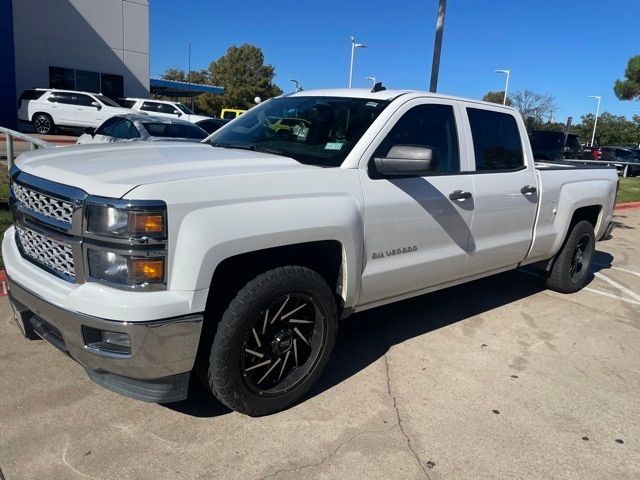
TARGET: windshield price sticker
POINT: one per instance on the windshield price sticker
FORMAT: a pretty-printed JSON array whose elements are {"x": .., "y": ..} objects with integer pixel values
[{"x": 333, "y": 146}]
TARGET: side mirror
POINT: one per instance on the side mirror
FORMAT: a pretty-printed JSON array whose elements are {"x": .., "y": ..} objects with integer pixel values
[
  {"x": 406, "y": 160},
  {"x": 90, "y": 131},
  {"x": 97, "y": 105},
  {"x": 178, "y": 112}
]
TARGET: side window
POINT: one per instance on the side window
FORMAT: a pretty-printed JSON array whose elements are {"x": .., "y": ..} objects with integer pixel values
[
  {"x": 105, "y": 128},
  {"x": 428, "y": 126},
  {"x": 61, "y": 97},
  {"x": 83, "y": 100},
  {"x": 166, "y": 108},
  {"x": 149, "y": 107},
  {"x": 133, "y": 131},
  {"x": 496, "y": 140},
  {"x": 122, "y": 129}
]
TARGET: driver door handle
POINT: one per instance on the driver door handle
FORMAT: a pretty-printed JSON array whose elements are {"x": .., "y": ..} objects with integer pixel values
[
  {"x": 528, "y": 190},
  {"x": 460, "y": 195}
]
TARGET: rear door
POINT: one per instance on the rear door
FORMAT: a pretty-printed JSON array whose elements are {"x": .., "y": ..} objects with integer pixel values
[
  {"x": 505, "y": 198},
  {"x": 60, "y": 106},
  {"x": 416, "y": 231}
]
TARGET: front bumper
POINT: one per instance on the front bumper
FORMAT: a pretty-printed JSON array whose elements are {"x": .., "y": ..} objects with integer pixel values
[{"x": 162, "y": 355}]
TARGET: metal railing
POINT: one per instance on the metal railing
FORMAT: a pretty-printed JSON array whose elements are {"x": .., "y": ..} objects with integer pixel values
[
  {"x": 34, "y": 143},
  {"x": 606, "y": 163}
]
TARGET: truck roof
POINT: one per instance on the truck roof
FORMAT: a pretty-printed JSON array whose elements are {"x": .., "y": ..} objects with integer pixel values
[{"x": 387, "y": 95}]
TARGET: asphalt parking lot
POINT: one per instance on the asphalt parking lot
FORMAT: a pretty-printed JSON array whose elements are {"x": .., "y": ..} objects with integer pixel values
[{"x": 494, "y": 379}]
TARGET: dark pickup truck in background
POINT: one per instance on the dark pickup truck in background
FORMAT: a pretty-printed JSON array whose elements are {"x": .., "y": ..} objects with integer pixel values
[{"x": 550, "y": 145}]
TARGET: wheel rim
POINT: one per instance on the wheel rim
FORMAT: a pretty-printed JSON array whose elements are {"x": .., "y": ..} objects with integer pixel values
[
  {"x": 283, "y": 344},
  {"x": 580, "y": 258},
  {"x": 42, "y": 124}
]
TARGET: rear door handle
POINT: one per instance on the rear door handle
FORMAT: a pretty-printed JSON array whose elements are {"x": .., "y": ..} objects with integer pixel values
[
  {"x": 460, "y": 195},
  {"x": 528, "y": 190}
]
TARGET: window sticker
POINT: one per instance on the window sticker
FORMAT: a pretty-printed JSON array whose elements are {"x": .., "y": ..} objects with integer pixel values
[{"x": 334, "y": 146}]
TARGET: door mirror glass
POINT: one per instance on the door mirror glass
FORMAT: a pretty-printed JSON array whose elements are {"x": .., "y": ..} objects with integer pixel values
[
  {"x": 404, "y": 160},
  {"x": 97, "y": 105}
]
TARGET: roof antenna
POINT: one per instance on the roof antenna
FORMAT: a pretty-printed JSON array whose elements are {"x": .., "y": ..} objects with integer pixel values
[{"x": 378, "y": 87}]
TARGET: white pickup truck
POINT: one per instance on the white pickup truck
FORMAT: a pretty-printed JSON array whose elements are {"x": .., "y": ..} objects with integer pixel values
[{"x": 234, "y": 259}]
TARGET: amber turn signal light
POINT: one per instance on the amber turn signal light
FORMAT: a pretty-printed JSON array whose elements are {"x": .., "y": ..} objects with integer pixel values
[
  {"x": 143, "y": 270},
  {"x": 146, "y": 223}
]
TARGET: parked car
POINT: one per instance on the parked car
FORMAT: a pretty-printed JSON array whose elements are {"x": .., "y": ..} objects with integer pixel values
[
  {"x": 48, "y": 108},
  {"x": 550, "y": 145},
  {"x": 134, "y": 127},
  {"x": 231, "y": 113},
  {"x": 163, "y": 108},
  {"x": 210, "y": 125},
  {"x": 615, "y": 154},
  {"x": 235, "y": 258}
]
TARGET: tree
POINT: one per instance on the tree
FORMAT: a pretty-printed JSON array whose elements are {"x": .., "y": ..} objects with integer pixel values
[
  {"x": 244, "y": 76},
  {"x": 496, "y": 97},
  {"x": 629, "y": 88},
  {"x": 611, "y": 129},
  {"x": 534, "y": 105}
]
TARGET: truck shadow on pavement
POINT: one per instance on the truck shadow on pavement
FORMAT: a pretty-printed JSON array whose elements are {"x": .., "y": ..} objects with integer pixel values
[{"x": 367, "y": 336}]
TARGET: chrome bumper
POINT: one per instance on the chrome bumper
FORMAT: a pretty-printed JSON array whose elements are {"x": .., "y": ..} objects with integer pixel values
[{"x": 162, "y": 355}]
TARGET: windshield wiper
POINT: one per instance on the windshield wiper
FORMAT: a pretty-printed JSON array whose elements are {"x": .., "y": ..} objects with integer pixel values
[{"x": 252, "y": 146}]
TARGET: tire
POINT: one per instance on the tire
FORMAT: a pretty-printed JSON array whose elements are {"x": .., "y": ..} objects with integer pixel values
[
  {"x": 253, "y": 347},
  {"x": 572, "y": 263},
  {"x": 43, "y": 123}
]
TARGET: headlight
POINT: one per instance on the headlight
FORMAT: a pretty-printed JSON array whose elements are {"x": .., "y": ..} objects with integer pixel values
[
  {"x": 125, "y": 243},
  {"x": 125, "y": 269},
  {"x": 126, "y": 223}
]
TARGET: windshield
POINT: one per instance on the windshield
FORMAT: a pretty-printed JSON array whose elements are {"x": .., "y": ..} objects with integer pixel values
[
  {"x": 107, "y": 101},
  {"x": 174, "y": 130},
  {"x": 313, "y": 130},
  {"x": 184, "y": 109}
]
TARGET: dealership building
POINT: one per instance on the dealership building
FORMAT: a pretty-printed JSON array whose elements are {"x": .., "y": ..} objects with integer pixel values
[{"x": 90, "y": 45}]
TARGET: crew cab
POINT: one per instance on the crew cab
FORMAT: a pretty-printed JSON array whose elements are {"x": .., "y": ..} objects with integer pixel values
[
  {"x": 234, "y": 259},
  {"x": 48, "y": 108}
]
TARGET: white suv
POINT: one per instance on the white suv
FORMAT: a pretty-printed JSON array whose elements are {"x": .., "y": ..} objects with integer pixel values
[
  {"x": 47, "y": 108},
  {"x": 164, "y": 108}
]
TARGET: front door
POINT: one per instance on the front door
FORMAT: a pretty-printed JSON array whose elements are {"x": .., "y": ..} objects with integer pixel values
[{"x": 416, "y": 228}]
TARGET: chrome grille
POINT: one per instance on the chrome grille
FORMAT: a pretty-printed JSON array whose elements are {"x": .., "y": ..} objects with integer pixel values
[
  {"x": 47, "y": 252},
  {"x": 52, "y": 207}
]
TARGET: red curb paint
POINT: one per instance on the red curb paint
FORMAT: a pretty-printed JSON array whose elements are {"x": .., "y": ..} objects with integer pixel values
[
  {"x": 627, "y": 206},
  {"x": 4, "y": 288}
]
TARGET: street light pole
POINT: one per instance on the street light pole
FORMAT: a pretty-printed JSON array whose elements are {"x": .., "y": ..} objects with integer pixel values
[
  {"x": 507, "y": 72},
  {"x": 354, "y": 45},
  {"x": 437, "y": 46},
  {"x": 595, "y": 123},
  {"x": 373, "y": 80}
]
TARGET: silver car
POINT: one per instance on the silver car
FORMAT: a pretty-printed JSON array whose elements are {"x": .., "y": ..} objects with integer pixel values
[{"x": 139, "y": 127}]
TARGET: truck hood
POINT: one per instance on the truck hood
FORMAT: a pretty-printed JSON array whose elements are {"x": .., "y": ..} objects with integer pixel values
[{"x": 111, "y": 170}]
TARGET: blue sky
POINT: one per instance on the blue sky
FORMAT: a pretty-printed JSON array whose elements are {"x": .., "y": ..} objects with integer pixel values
[{"x": 568, "y": 48}]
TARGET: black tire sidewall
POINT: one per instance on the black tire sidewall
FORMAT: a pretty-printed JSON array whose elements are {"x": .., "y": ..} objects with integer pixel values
[
  {"x": 225, "y": 377},
  {"x": 560, "y": 278}
]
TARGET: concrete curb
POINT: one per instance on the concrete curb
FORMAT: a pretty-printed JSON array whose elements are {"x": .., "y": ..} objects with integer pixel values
[{"x": 627, "y": 206}]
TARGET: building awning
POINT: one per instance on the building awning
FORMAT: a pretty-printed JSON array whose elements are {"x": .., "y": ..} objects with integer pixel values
[{"x": 171, "y": 88}]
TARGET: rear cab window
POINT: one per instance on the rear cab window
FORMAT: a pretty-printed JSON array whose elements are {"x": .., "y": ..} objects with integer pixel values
[{"x": 496, "y": 141}]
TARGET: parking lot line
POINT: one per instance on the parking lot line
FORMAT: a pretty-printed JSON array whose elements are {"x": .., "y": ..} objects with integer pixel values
[
  {"x": 615, "y": 284},
  {"x": 611, "y": 295}
]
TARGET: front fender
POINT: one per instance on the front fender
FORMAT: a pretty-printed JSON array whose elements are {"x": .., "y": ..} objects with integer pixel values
[{"x": 207, "y": 236}]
